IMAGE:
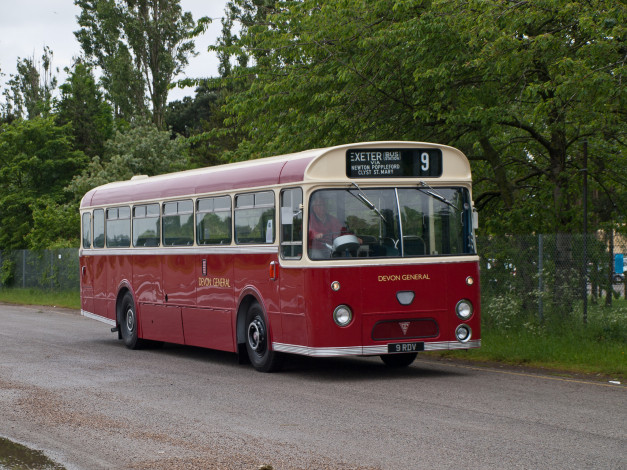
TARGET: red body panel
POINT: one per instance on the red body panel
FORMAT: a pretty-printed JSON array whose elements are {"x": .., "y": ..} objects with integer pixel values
[
  {"x": 203, "y": 291},
  {"x": 371, "y": 294}
]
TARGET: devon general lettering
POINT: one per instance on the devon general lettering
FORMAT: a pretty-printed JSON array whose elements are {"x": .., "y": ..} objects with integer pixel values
[
  {"x": 214, "y": 282},
  {"x": 404, "y": 277}
]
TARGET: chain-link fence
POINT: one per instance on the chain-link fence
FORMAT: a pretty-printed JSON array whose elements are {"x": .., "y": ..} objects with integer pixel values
[
  {"x": 535, "y": 275},
  {"x": 44, "y": 269},
  {"x": 551, "y": 275}
]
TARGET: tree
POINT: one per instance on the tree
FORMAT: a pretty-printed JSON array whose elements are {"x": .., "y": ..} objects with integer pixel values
[
  {"x": 517, "y": 85},
  {"x": 82, "y": 106},
  {"x": 54, "y": 225},
  {"x": 37, "y": 162},
  {"x": 200, "y": 119},
  {"x": 140, "y": 150},
  {"x": 186, "y": 117},
  {"x": 140, "y": 45},
  {"x": 30, "y": 90}
]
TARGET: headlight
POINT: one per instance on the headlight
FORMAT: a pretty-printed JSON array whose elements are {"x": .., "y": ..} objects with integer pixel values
[
  {"x": 342, "y": 315},
  {"x": 464, "y": 309},
  {"x": 463, "y": 333}
]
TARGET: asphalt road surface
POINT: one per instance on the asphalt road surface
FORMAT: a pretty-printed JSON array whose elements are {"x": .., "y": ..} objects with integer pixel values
[{"x": 70, "y": 388}]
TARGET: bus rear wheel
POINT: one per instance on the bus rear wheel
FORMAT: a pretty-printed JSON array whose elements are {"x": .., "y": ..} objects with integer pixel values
[
  {"x": 257, "y": 342},
  {"x": 398, "y": 360},
  {"x": 128, "y": 323}
]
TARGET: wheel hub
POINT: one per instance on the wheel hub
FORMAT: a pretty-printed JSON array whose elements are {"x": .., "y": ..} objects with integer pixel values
[
  {"x": 130, "y": 320},
  {"x": 256, "y": 335}
]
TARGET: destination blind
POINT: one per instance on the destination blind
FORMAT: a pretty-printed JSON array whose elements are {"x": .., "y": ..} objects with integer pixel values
[{"x": 393, "y": 163}]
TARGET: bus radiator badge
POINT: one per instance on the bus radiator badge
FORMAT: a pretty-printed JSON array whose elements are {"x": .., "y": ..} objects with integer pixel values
[{"x": 404, "y": 326}]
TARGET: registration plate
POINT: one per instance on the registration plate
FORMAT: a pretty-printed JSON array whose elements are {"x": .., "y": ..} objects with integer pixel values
[{"x": 406, "y": 347}]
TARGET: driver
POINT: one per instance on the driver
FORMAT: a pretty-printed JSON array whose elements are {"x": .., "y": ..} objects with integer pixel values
[{"x": 323, "y": 227}]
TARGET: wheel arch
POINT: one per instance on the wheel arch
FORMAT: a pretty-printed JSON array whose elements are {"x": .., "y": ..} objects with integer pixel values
[
  {"x": 248, "y": 298},
  {"x": 123, "y": 289}
]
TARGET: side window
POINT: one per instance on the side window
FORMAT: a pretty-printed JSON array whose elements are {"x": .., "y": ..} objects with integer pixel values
[
  {"x": 254, "y": 217},
  {"x": 213, "y": 221},
  {"x": 86, "y": 230},
  {"x": 99, "y": 228},
  {"x": 146, "y": 226},
  {"x": 178, "y": 223},
  {"x": 119, "y": 227},
  {"x": 292, "y": 223}
]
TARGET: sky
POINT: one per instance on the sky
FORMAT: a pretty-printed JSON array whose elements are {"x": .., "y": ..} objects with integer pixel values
[{"x": 26, "y": 26}]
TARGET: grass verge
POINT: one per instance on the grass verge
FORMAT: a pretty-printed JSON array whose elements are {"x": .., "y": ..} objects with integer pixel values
[
  {"x": 576, "y": 353},
  {"x": 66, "y": 299},
  {"x": 598, "y": 347}
]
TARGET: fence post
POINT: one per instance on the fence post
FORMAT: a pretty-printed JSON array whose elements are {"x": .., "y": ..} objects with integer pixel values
[
  {"x": 51, "y": 266},
  {"x": 585, "y": 231},
  {"x": 23, "y": 269},
  {"x": 540, "y": 283}
]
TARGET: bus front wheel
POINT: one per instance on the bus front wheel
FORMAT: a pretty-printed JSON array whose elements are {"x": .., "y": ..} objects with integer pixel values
[
  {"x": 128, "y": 322},
  {"x": 398, "y": 360},
  {"x": 257, "y": 342}
]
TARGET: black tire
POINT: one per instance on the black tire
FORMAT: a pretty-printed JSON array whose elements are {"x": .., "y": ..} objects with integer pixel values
[
  {"x": 258, "y": 342},
  {"x": 128, "y": 323},
  {"x": 398, "y": 360}
]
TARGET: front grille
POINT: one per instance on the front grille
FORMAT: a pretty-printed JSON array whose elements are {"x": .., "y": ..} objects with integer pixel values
[{"x": 405, "y": 329}]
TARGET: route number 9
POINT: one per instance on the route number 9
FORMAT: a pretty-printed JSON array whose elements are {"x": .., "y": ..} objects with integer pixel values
[{"x": 424, "y": 158}]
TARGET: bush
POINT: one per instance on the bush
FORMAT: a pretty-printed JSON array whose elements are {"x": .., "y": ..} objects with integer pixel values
[{"x": 7, "y": 272}]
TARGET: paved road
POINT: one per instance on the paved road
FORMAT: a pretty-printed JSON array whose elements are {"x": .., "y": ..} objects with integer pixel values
[{"x": 69, "y": 387}]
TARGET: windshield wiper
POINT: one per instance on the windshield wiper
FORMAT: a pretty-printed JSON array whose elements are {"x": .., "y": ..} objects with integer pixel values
[
  {"x": 364, "y": 200},
  {"x": 433, "y": 193}
]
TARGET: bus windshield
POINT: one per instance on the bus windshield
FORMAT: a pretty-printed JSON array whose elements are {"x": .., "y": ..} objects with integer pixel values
[{"x": 390, "y": 222}]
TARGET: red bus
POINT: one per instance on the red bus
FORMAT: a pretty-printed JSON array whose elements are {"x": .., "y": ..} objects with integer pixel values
[{"x": 362, "y": 249}]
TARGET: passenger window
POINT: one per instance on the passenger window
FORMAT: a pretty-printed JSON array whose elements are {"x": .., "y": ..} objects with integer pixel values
[
  {"x": 254, "y": 218},
  {"x": 99, "y": 228},
  {"x": 292, "y": 223},
  {"x": 118, "y": 227},
  {"x": 86, "y": 230},
  {"x": 146, "y": 226},
  {"x": 178, "y": 223},
  {"x": 213, "y": 221}
]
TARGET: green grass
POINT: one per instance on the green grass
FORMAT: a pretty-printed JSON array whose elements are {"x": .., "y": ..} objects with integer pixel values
[
  {"x": 66, "y": 299},
  {"x": 579, "y": 353},
  {"x": 598, "y": 347}
]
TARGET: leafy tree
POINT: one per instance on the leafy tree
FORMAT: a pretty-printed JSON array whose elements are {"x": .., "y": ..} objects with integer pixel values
[
  {"x": 54, "y": 225},
  {"x": 30, "y": 91},
  {"x": 517, "y": 85},
  {"x": 200, "y": 119},
  {"x": 140, "y": 45},
  {"x": 140, "y": 150},
  {"x": 186, "y": 117},
  {"x": 82, "y": 106},
  {"x": 37, "y": 161}
]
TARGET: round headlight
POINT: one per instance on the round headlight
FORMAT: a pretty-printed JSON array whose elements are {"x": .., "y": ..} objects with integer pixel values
[
  {"x": 464, "y": 309},
  {"x": 463, "y": 333},
  {"x": 342, "y": 315}
]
